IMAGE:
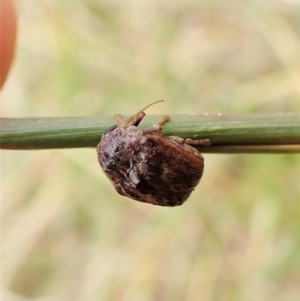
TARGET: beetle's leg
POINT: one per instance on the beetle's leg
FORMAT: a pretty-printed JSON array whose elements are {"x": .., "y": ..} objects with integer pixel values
[
  {"x": 198, "y": 142},
  {"x": 164, "y": 119},
  {"x": 157, "y": 127},
  {"x": 119, "y": 117},
  {"x": 193, "y": 142}
]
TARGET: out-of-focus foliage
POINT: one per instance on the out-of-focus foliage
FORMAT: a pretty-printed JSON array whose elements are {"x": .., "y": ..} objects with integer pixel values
[{"x": 67, "y": 235}]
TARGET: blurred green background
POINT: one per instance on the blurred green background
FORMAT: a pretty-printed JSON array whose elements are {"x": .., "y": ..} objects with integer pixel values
[{"x": 67, "y": 235}]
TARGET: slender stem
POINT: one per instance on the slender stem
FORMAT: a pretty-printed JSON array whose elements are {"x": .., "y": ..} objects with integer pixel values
[{"x": 257, "y": 133}]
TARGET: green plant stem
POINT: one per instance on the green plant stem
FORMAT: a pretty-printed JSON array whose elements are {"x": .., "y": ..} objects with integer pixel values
[{"x": 256, "y": 133}]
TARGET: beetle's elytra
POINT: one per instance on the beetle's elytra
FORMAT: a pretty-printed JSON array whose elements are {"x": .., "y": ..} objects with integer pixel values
[{"x": 148, "y": 167}]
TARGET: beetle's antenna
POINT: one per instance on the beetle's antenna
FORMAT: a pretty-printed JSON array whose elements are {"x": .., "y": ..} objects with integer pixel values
[
  {"x": 151, "y": 104},
  {"x": 137, "y": 117}
]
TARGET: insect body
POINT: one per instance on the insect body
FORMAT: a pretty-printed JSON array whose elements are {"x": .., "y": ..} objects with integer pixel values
[{"x": 148, "y": 167}]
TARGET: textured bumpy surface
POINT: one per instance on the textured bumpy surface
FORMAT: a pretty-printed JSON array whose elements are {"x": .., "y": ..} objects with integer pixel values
[{"x": 149, "y": 167}]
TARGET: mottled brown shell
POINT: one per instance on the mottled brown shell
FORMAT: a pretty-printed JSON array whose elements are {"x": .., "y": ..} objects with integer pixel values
[{"x": 147, "y": 166}]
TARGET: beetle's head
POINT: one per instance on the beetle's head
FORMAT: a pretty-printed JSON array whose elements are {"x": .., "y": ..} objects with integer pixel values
[{"x": 133, "y": 120}]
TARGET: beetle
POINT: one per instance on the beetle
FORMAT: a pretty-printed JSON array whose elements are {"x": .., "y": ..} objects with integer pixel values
[{"x": 148, "y": 167}]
